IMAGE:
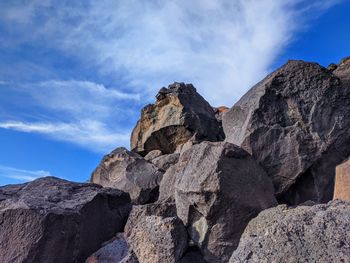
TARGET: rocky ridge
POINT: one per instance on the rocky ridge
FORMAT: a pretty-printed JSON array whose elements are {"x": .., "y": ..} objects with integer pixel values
[{"x": 187, "y": 192}]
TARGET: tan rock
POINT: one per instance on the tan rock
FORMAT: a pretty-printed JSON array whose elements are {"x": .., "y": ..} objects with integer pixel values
[
  {"x": 180, "y": 114},
  {"x": 342, "y": 182}
]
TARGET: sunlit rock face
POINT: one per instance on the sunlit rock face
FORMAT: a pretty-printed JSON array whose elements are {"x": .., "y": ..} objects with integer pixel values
[
  {"x": 180, "y": 114},
  {"x": 296, "y": 123},
  {"x": 342, "y": 182},
  {"x": 318, "y": 233}
]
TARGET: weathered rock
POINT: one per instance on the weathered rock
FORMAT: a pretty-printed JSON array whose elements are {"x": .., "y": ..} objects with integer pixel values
[
  {"x": 128, "y": 171},
  {"x": 343, "y": 71},
  {"x": 153, "y": 154},
  {"x": 180, "y": 114},
  {"x": 342, "y": 182},
  {"x": 317, "y": 233},
  {"x": 167, "y": 185},
  {"x": 218, "y": 189},
  {"x": 115, "y": 250},
  {"x": 165, "y": 161},
  {"x": 53, "y": 220},
  {"x": 155, "y": 234},
  {"x": 296, "y": 123}
]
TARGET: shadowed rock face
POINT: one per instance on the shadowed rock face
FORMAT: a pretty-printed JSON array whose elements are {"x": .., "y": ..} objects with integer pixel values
[
  {"x": 180, "y": 114},
  {"x": 296, "y": 123},
  {"x": 318, "y": 233},
  {"x": 53, "y": 220},
  {"x": 218, "y": 189},
  {"x": 129, "y": 172}
]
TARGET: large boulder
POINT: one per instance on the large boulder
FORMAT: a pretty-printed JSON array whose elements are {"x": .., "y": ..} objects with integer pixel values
[
  {"x": 180, "y": 114},
  {"x": 115, "y": 250},
  {"x": 156, "y": 234},
  {"x": 317, "y": 233},
  {"x": 164, "y": 162},
  {"x": 56, "y": 221},
  {"x": 219, "y": 188},
  {"x": 129, "y": 172},
  {"x": 296, "y": 123},
  {"x": 342, "y": 182}
]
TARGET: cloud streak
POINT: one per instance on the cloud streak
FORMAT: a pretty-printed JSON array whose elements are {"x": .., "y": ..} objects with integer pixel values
[
  {"x": 223, "y": 47},
  {"x": 21, "y": 174}
]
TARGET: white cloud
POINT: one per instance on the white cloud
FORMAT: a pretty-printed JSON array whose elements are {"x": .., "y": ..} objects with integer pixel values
[
  {"x": 90, "y": 134},
  {"x": 217, "y": 45},
  {"x": 221, "y": 46},
  {"x": 21, "y": 174}
]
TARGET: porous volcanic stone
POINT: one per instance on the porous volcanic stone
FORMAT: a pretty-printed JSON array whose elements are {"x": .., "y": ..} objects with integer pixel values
[
  {"x": 318, "y": 233},
  {"x": 56, "y": 221},
  {"x": 296, "y": 123},
  {"x": 219, "y": 188},
  {"x": 180, "y": 114},
  {"x": 156, "y": 234},
  {"x": 128, "y": 171}
]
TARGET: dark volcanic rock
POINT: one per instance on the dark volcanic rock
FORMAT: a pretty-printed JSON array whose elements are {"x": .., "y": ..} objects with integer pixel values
[
  {"x": 155, "y": 234},
  {"x": 296, "y": 123},
  {"x": 165, "y": 161},
  {"x": 317, "y": 233},
  {"x": 218, "y": 189},
  {"x": 129, "y": 172},
  {"x": 53, "y": 220},
  {"x": 115, "y": 250},
  {"x": 180, "y": 114}
]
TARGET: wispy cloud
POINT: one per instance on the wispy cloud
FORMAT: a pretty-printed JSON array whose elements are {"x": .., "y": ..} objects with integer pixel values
[
  {"x": 21, "y": 174},
  {"x": 79, "y": 112},
  {"x": 224, "y": 46}
]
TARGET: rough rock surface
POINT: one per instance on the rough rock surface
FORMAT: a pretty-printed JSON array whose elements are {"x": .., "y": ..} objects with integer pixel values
[
  {"x": 342, "y": 182},
  {"x": 129, "y": 172},
  {"x": 315, "y": 234},
  {"x": 153, "y": 154},
  {"x": 296, "y": 123},
  {"x": 115, "y": 250},
  {"x": 53, "y": 220},
  {"x": 218, "y": 189},
  {"x": 165, "y": 161},
  {"x": 155, "y": 234},
  {"x": 179, "y": 114}
]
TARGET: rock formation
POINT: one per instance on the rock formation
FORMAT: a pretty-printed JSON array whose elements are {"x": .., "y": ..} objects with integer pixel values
[
  {"x": 183, "y": 195},
  {"x": 218, "y": 189},
  {"x": 342, "y": 182},
  {"x": 129, "y": 172},
  {"x": 156, "y": 234},
  {"x": 52, "y": 220},
  {"x": 318, "y": 233},
  {"x": 296, "y": 123},
  {"x": 115, "y": 250},
  {"x": 180, "y": 114}
]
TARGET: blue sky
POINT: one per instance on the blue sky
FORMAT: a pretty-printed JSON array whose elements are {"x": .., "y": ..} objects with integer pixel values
[{"x": 74, "y": 75}]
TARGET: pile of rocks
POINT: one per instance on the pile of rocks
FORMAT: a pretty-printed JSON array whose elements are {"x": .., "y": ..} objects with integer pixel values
[{"x": 203, "y": 184}]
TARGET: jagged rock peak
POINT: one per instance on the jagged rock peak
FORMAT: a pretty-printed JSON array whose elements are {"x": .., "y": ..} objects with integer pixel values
[{"x": 179, "y": 115}]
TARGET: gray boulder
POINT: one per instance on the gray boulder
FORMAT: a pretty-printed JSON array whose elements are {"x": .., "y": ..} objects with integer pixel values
[
  {"x": 318, "y": 233},
  {"x": 115, "y": 250},
  {"x": 153, "y": 154},
  {"x": 165, "y": 161},
  {"x": 180, "y": 114},
  {"x": 296, "y": 123},
  {"x": 129, "y": 172},
  {"x": 219, "y": 188},
  {"x": 156, "y": 234},
  {"x": 56, "y": 221}
]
